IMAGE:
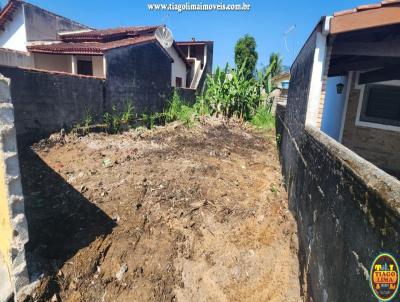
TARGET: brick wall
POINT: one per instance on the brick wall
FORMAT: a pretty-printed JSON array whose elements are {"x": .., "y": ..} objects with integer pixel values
[{"x": 380, "y": 147}]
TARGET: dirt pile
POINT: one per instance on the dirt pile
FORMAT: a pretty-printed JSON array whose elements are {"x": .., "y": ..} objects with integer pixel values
[{"x": 170, "y": 214}]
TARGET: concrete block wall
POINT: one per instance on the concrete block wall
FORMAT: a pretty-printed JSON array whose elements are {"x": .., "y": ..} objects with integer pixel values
[
  {"x": 13, "y": 225},
  {"x": 347, "y": 209},
  {"x": 46, "y": 102},
  {"x": 187, "y": 94},
  {"x": 347, "y": 212},
  {"x": 139, "y": 74},
  {"x": 299, "y": 88}
]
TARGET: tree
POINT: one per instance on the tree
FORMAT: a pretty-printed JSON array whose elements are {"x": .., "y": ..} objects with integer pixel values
[
  {"x": 246, "y": 54},
  {"x": 278, "y": 66}
]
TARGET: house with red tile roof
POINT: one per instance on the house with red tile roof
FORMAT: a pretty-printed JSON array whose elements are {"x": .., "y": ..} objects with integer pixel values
[
  {"x": 339, "y": 141},
  {"x": 55, "y": 43},
  {"x": 348, "y": 74}
]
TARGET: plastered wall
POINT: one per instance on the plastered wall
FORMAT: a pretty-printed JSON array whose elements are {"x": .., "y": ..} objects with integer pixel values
[{"x": 13, "y": 226}]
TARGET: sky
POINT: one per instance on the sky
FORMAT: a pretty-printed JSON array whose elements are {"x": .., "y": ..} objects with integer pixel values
[{"x": 266, "y": 21}]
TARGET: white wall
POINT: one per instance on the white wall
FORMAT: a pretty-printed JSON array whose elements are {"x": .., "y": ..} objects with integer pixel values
[
  {"x": 14, "y": 34},
  {"x": 97, "y": 63},
  {"x": 67, "y": 63},
  {"x": 333, "y": 107},
  {"x": 98, "y": 66},
  {"x": 53, "y": 62},
  {"x": 178, "y": 67},
  {"x": 16, "y": 58},
  {"x": 314, "y": 93}
]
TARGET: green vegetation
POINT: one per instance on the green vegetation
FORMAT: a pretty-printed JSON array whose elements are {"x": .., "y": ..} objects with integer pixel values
[
  {"x": 228, "y": 94},
  {"x": 116, "y": 121},
  {"x": 178, "y": 110},
  {"x": 278, "y": 68},
  {"x": 231, "y": 92},
  {"x": 87, "y": 121},
  {"x": 246, "y": 56},
  {"x": 263, "y": 119}
]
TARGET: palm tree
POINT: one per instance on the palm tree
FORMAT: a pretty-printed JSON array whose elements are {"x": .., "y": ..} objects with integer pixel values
[{"x": 278, "y": 68}]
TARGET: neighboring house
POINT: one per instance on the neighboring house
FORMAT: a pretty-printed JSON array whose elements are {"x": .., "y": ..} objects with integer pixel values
[
  {"x": 338, "y": 136},
  {"x": 54, "y": 43},
  {"x": 281, "y": 82},
  {"x": 353, "y": 81},
  {"x": 200, "y": 55}
]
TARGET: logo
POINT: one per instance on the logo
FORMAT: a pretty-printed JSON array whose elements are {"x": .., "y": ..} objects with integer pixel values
[{"x": 384, "y": 277}]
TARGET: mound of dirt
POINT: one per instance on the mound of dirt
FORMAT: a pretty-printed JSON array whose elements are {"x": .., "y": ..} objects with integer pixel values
[{"x": 169, "y": 214}]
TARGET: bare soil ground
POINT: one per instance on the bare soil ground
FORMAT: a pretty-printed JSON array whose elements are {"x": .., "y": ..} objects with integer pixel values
[{"x": 169, "y": 214}]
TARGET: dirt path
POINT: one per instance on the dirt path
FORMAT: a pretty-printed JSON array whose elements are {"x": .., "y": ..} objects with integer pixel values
[{"x": 172, "y": 214}]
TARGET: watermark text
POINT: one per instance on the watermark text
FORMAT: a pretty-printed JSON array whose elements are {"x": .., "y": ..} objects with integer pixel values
[{"x": 187, "y": 6}]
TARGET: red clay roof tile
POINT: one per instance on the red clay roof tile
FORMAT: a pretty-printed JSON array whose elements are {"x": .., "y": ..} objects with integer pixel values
[
  {"x": 344, "y": 12},
  {"x": 368, "y": 6},
  {"x": 365, "y": 7},
  {"x": 389, "y": 2},
  {"x": 108, "y": 34},
  {"x": 8, "y": 11},
  {"x": 88, "y": 48}
]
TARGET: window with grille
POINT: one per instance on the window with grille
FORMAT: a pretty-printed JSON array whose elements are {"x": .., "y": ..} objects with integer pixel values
[
  {"x": 85, "y": 67},
  {"x": 381, "y": 105}
]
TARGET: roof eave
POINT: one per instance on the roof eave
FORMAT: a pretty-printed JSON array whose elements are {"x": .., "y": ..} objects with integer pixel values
[{"x": 385, "y": 13}]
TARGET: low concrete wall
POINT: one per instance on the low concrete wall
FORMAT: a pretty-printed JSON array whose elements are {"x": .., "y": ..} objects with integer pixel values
[
  {"x": 10, "y": 57},
  {"x": 46, "y": 102},
  {"x": 13, "y": 226},
  {"x": 347, "y": 212}
]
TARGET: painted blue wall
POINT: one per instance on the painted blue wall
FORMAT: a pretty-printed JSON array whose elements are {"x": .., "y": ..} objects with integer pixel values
[{"x": 333, "y": 107}]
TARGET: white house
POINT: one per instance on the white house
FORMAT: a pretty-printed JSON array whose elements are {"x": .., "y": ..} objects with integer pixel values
[{"x": 32, "y": 37}]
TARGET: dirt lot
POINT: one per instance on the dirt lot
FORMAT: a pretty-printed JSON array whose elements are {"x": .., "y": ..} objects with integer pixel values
[{"x": 169, "y": 214}]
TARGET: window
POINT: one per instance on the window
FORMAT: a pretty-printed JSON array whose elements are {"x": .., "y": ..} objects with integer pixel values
[
  {"x": 285, "y": 84},
  {"x": 85, "y": 67},
  {"x": 381, "y": 105},
  {"x": 178, "y": 82}
]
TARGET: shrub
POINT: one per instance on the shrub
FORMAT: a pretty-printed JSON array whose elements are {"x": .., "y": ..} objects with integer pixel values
[
  {"x": 88, "y": 119},
  {"x": 115, "y": 121},
  {"x": 230, "y": 93}
]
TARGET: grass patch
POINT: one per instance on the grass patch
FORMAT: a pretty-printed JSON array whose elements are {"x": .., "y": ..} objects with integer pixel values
[
  {"x": 178, "y": 110},
  {"x": 263, "y": 118}
]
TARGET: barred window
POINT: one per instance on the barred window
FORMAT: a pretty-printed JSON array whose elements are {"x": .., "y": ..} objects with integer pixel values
[{"x": 381, "y": 105}]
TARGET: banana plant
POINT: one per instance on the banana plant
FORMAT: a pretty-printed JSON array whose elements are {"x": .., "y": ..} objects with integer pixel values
[{"x": 230, "y": 93}]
